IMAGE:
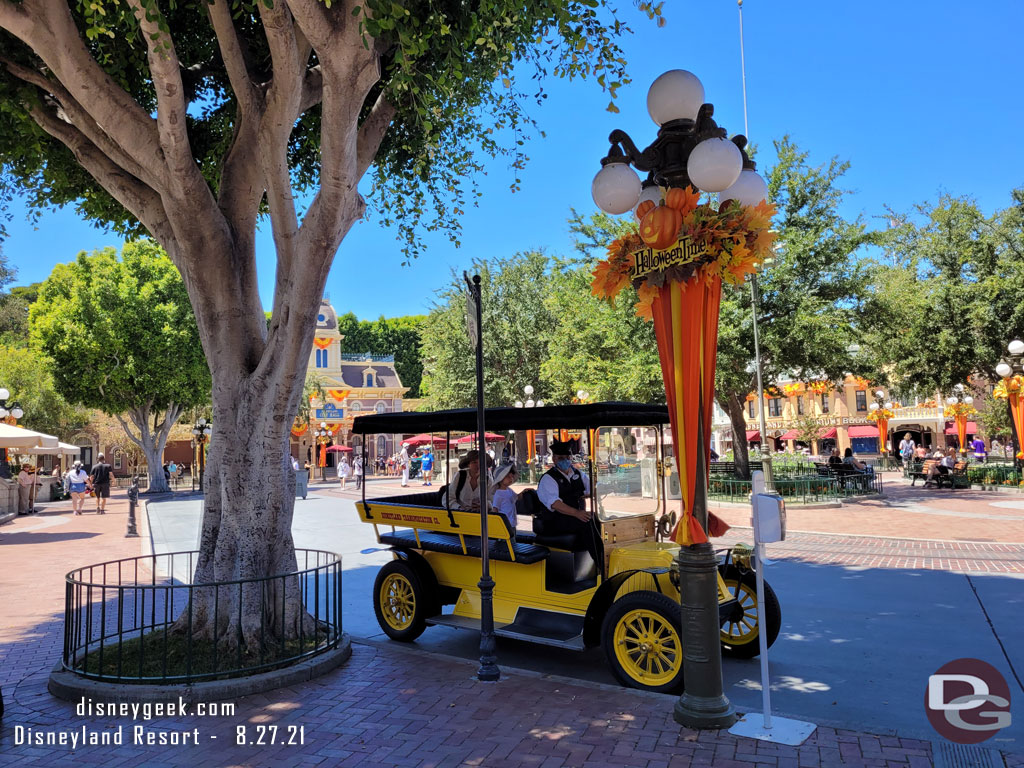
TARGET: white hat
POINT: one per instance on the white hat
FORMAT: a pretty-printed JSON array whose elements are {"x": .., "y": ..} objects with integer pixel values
[{"x": 501, "y": 472}]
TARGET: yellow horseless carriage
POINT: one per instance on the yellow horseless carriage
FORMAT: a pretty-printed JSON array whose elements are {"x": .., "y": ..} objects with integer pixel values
[{"x": 549, "y": 589}]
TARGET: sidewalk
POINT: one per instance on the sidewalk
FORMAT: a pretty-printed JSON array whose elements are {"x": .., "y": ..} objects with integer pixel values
[{"x": 387, "y": 706}]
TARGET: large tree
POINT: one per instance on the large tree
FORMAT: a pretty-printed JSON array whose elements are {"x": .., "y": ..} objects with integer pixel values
[
  {"x": 191, "y": 119},
  {"x": 809, "y": 297},
  {"x": 123, "y": 339},
  {"x": 29, "y": 378}
]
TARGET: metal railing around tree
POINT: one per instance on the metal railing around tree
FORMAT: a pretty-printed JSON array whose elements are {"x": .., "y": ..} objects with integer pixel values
[{"x": 131, "y": 620}]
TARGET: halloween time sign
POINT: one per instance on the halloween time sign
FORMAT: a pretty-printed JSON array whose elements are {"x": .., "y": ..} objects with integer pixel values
[{"x": 648, "y": 260}]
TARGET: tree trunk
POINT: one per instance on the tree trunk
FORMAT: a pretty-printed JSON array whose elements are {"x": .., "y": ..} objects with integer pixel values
[
  {"x": 154, "y": 450},
  {"x": 734, "y": 407}
]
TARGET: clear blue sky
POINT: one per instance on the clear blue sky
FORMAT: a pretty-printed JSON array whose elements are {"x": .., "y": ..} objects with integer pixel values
[{"x": 920, "y": 97}]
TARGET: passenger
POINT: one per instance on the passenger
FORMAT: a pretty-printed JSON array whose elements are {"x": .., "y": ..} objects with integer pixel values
[
  {"x": 835, "y": 460},
  {"x": 564, "y": 490},
  {"x": 464, "y": 488},
  {"x": 503, "y": 498},
  {"x": 850, "y": 460}
]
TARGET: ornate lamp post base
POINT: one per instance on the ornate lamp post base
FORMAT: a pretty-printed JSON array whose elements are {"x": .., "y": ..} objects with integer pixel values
[{"x": 703, "y": 705}]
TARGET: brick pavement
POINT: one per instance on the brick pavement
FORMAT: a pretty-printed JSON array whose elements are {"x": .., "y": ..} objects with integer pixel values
[{"x": 386, "y": 706}]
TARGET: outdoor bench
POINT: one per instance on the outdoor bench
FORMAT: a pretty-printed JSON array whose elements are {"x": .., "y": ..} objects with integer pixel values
[{"x": 722, "y": 467}]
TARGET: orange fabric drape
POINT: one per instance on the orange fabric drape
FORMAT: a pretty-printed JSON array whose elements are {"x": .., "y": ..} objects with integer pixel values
[
  {"x": 1017, "y": 409},
  {"x": 961, "y": 431},
  {"x": 338, "y": 394},
  {"x": 686, "y": 328},
  {"x": 883, "y": 433},
  {"x": 323, "y": 455},
  {"x": 300, "y": 431}
]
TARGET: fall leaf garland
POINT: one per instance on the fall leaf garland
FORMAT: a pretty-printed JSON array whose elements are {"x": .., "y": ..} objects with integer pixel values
[{"x": 737, "y": 239}]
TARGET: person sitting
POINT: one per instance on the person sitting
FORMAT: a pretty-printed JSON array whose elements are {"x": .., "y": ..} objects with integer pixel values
[
  {"x": 921, "y": 452},
  {"x": 834, "y": 459},
  {"x": 563, "y": 490},
  {"x": 944, "y": 467},
  {"x": 503, "y": 498},
  {"x": 851, "y": 461},
  {"x": 463, "y": 491}
]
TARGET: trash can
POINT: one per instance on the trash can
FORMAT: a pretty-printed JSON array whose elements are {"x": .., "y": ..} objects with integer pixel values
[{"x": 301, "y": 482}]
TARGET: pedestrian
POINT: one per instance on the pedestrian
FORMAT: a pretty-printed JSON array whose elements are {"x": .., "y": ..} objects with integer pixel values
[
  {"x": 978, "y": 446},
  {"x": 78, "y": 484},
  {"x": 295, "y": 464},
  {"x": 172, "y": 470},
  {"x": 101, "y": 476},
  {"x": 357, "y": 471},
  {"x": 25, "y": 482},
  {"x": 906, "y": 448},
  {"x": 344, "y": 470},
  {"x": 405, "y": 462},
  {"x": 427, "y": 466}
]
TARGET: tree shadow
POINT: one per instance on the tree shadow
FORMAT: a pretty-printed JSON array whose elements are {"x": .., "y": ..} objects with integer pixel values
[{"x": 43, "y": 537}]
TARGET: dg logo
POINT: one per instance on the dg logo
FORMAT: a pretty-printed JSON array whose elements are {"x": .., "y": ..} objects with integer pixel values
[{"x": 967, "y": 701}]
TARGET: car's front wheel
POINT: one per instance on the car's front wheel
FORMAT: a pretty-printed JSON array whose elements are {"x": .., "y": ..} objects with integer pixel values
[
  {"x": 641, "y": 641},
  {"x": 399, "y": 601},
  {"x": 739, "y": 632}
]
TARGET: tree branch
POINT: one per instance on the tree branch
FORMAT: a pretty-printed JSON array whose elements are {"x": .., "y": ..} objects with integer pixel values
[
  {"x": 372, "y": 132},
  {"x": 128, "y": 431},
  {"x": 234, "y": 57}
]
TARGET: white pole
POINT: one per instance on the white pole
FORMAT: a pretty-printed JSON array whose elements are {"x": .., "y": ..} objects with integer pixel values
[
  {"x": 762, "y": 637},
  {"x": 743, "y": 71}
]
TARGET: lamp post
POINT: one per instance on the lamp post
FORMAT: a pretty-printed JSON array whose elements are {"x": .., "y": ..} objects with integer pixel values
[
  {"x": 690, "y": 150},
  {"x": 960, "y": 406},
  {"x": 9, "y": 414},
  {"x": 1011, "y": 370},
  {"x": 531, "y": 435},
  {"x": 323, "y": 437},
  {"x": 200, "y": 437},
  {"x": 880, "y": 412}
]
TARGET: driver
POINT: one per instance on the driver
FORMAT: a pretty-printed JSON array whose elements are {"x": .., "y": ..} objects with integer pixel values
[{"x": 564, "y": 490}]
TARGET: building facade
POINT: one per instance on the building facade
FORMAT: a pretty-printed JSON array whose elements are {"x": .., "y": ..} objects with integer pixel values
[{"x": 353, "y": 383}]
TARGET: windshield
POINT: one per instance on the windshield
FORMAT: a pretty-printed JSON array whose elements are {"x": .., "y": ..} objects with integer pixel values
[{"x": 625, "y": 465}]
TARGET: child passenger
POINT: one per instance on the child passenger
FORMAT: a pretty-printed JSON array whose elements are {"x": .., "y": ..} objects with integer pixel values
[{"x": 504, "y": 498}]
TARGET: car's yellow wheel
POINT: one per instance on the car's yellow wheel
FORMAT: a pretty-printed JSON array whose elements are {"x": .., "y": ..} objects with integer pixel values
[
  {"x": 398, "y": 601},
  {"x": 641, "y": 641},
  {"x": 740, "y": 630}
]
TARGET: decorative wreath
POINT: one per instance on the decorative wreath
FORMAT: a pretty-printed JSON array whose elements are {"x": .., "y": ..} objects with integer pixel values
[
  {"x": 820, "y": 387},
  {"x": 882, "y": 414},
  {"x": 959, "y": 409},
  {"x": 687, "y": 237},
  {"x": 793, "y": 389},
  {"x": 1011, "y": 386}
]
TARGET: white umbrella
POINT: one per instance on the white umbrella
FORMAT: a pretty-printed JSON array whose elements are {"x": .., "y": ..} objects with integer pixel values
[
  {"x": 18, "y": 437},
  {"x": 41, "y": 450}
]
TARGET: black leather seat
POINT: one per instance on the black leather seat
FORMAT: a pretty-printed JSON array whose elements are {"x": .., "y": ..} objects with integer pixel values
[{"x": 449, "y": 544}]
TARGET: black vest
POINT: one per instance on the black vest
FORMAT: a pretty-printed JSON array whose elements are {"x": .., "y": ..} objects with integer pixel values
[{"x": 570, "y": 491}]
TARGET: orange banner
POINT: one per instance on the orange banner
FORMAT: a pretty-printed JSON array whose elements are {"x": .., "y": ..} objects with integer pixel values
[
  {"x": 323, "y": 455},
  {"x": 338, "y": 394},
  {"x": 961, "y": 431},
  {"x": 686, "y": 328},
  {"x": 322, "y": 343},
  {"x": 1017, "y": 410},
  {"x": 883, "y": 433}
]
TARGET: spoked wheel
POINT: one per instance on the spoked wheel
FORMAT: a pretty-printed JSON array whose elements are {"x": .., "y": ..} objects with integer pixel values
[
  {"x": 398, "y": 601},
  {"x": 641, "y": 641},
  {"x": 739, "y": 632}
]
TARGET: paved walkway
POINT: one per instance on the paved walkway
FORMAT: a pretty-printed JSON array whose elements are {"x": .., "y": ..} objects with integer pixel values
[{"x": 385, "y": 707}]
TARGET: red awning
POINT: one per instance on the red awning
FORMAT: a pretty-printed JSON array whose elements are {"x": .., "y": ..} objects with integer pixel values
[
  {"x": 791, "y": 435},
  {"x": 972, "y": 428},
  {"x": 425, "y": 439},
  {"x": 753, "y": 435},
  {"x": 864, "y": 430},
  {"x": 829, "y": 434}
]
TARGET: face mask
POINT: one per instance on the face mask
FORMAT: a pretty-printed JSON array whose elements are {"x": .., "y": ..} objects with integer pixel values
[{"x": 564, "y": 464}]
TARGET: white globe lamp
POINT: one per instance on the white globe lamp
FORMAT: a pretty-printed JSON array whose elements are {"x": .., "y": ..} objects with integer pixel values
[
  {"x": 714, "y": 165},
  {"x": 879, "y": 394},
  {"x": 749, "y": 189},
  {"x": 951, "y": 400},
  {"x": 1016, "y": 347},
  {"x": 616, "y": 188},
  {"x": 16, "y": 412},
  {"x": 528, "y": 389},
  {"x": 651, "y": 192},
  {"x": 1004, "y": 370},
  {"x": 675, "y": 95},
  {"x": 4, "y": 393},
  {"x": 969, "y": 400},
  {"x": 873, "y": 407}
]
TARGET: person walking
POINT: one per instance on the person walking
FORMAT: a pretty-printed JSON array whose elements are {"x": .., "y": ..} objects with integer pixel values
[
  {"x": 25, "y": 482},
  {"x": 405, "y": 462},
  {"x": 344, "y": 471},
  {"x": 427, "y": 467},
  {"x": 906, "y": 449},
  {"x": 78, "y": 486},
  {"x": 357, "y": 471},
  {"x": 102, "y": 474}
]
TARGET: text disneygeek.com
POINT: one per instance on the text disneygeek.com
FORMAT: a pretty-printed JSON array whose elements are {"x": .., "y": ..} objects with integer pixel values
[{"x": 149, "y": 734}]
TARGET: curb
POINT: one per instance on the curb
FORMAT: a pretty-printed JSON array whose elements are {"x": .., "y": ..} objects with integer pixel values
[{"x": 70, "y": 687}]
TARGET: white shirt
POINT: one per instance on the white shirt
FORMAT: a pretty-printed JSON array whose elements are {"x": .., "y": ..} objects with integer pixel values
[
  {"x": 505, "y": 504},
  {"x": 469, "y": 494},
  {"x": 547, "y": 488}
]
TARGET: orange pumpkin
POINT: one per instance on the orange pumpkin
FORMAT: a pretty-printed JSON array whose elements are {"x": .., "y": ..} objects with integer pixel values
[
  {"x": 644, "y": 208},
  {"x": 660, "y": 227},
  {"x": 675, "y": 198}
]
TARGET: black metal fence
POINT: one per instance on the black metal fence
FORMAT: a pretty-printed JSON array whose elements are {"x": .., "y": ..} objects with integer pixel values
[
  {"x": 132, "y": 620},
  {"x": 803, "y": 490}
]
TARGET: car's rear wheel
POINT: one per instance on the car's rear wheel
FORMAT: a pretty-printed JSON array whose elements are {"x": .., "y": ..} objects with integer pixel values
[
  {"x": 641, "y": 641},
  {"x": 740, "y": 631},
  {"x": 399, "y": 601}
]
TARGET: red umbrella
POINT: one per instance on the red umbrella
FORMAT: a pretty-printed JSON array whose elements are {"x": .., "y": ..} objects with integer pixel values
[
  {"x": 490, "y": 437},
  {"x": 424, "y": 439},
  {"x": 337, "y": 448}
]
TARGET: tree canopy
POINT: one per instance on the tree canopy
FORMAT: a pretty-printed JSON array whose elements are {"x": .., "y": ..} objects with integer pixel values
[
  {"x": 29, "y": 378},
  {"x": 398, "y": 336},
  {"x": 123, "y": 339}
]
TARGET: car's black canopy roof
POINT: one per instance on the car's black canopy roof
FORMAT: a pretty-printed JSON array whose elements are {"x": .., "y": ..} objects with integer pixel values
[{"x": 549, "y": 417}]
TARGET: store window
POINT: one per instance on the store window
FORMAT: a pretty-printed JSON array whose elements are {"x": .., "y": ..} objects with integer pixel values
[
  {"x": 824, "y": 403},
  {"x": 369, "y": 379},
  {"x": 862, "y": 401},
  {"x": 775, "y": 406},
  {"x": 321, "y": 358},
  {"x": 800, "y": 405},
  {"x": 750, "y": 408},
  {"x": 381, "y": 408},
  {"x": 356, "y": 406}
]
